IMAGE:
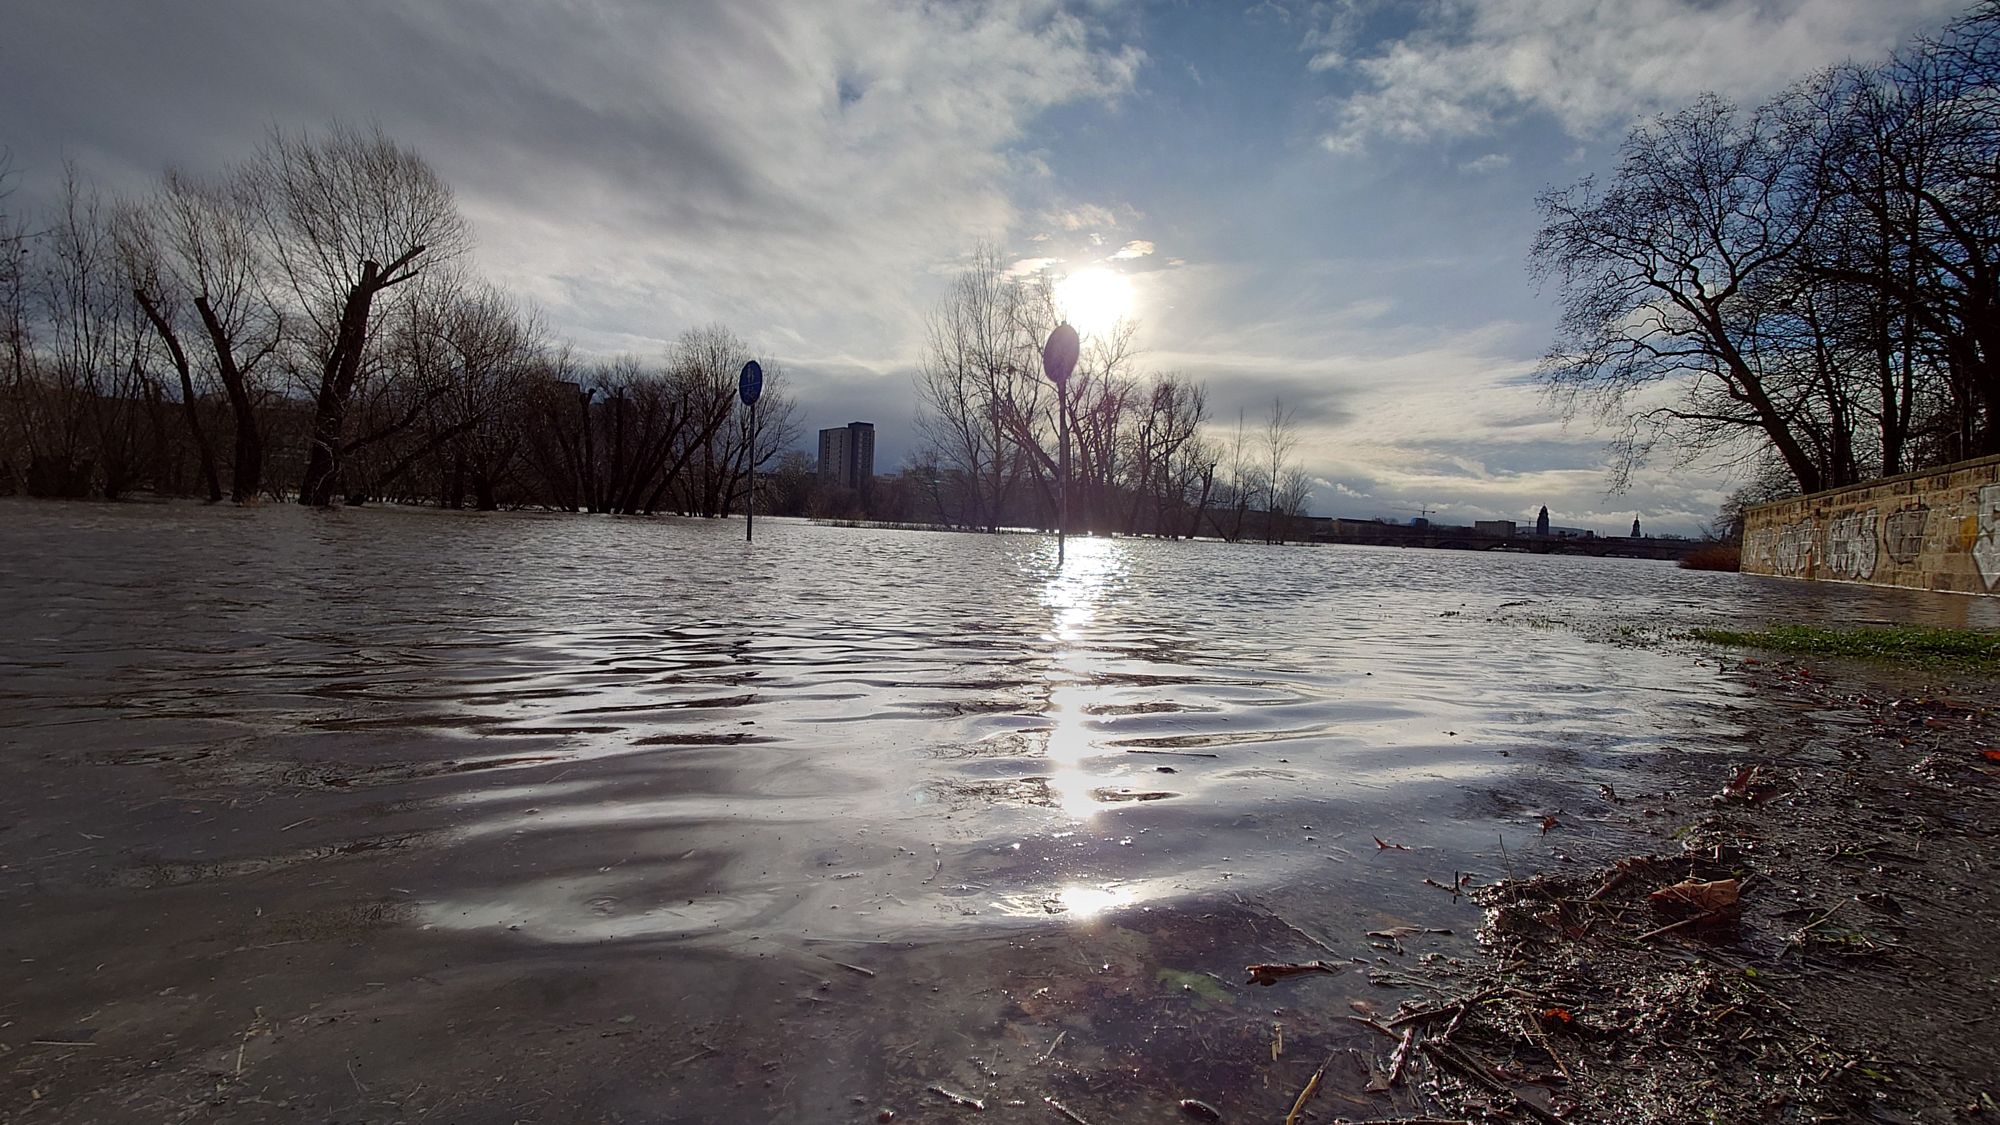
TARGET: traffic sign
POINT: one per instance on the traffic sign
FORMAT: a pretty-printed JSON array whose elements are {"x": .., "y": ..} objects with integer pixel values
[{"x": 750, "y": 384}]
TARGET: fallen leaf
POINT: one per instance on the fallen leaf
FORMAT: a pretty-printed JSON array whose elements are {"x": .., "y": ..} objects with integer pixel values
[
  {"x": 1991, "y": 755},
  {"x": 1558, "y": 1015},
  {"x": 1717, "y": 895},
  {"x": 1549, "y": 822},
  {"x": 1385, "y": 845}
]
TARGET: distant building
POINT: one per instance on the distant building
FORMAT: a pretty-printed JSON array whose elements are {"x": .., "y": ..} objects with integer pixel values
[
  {"x": 1635, "y": 527},
  {"x": 847, "y": 456},
  {"x": 1504, "y": 528},
  {"x": 1542, "y": 521}
]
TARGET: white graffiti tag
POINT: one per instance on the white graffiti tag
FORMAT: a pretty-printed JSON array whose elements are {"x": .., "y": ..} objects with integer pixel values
[
  {"x": 1759, "y": 552},
  {"x": 1851, "y": 546},
  {"x": 1793, "y": 553},
  {"x": 1986, "y": 549}
]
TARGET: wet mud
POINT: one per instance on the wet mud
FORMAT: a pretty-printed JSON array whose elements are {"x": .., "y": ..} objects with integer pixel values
[{"x": 416, "y": 816}]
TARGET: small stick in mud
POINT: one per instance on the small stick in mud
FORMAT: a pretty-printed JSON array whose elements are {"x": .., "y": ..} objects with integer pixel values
[
  {"x": 1458, "y": 1007},
  {"x": 1374, "y": 1025},
  {"x": 705, "y": 1051},
  {"x": 1175, "y": 753},
  {"x": 1542, "y": 1040},
  {"x": 1060, "y": 1036},
  {"x": 958, "y": 1099},
  {"x": 1065, "y": 1111},
  {"x": 1693, "y": 920},
  {"x": 1410, "y": 1121},
  {"x": 1397, "y": 1060},
  {"x": 1269, "y": 974},
  {"x": 854, "y": 968},
  {"x": 1295, "y": 929},
  {"x": 1460, "y": 1064},
  {"x": 1305, "y": 1095}
]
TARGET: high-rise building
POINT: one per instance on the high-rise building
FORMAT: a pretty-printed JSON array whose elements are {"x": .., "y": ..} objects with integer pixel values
[{"x": 847, "y": 456}]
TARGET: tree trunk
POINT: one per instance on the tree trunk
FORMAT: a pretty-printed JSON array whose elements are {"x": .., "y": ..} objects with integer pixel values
[
  {"x": 189, "y": 407},
  {"x": 247, "y": 477},
  {"x": 343, "y": 366}
]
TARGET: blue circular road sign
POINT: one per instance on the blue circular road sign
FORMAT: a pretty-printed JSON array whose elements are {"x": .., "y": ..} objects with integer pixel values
[{"x": 750, "y": 384}]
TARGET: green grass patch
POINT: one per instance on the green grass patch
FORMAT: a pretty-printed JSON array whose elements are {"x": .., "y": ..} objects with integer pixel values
[{"x": 1905, "y": 644}]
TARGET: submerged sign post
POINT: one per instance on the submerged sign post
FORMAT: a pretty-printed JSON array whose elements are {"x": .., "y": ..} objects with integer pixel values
[
  {"x": 750, "y": 387},
  {"x": 1058, "y": 360}
]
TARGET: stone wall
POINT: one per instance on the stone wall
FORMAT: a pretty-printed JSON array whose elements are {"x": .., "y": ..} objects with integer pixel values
[{"x": 1935, "y": 530}]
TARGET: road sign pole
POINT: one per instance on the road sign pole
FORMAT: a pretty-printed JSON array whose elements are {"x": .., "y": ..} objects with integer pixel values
[
  {"x": 1058, "y": 360},
  {"x": 749, "y": 388},
  {"x": 1062, "y": 471}
]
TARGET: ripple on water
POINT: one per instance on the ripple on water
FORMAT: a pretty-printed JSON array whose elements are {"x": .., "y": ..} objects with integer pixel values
[{"x": 623, "y": 729}]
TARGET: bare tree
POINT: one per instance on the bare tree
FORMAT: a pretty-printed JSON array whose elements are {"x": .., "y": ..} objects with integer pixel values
[
  {"x": 976, "y": 383},
  {"x": 1281, "y": 478},
  {"x": 1659, "y": 273},
  {"x": 1175, "y": 410},
  {"x": 205, "y": 263},
  {"x": 348, "y": 216}
]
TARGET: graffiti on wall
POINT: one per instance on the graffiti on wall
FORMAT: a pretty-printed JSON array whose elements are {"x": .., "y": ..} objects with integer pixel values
[
  {"x": 1758, "y": 548},
  {"x": 1986, "y": 547},
  {"x": 1792, "y": 552},
  {"x": 1851, "y": 546},
  {"x": 1903, "y": 534}
]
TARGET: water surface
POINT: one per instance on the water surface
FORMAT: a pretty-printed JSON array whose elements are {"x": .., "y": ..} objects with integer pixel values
[{"x": 529, "y": 803}]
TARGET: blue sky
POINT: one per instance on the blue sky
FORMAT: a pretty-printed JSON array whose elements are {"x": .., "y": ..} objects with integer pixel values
[{"x": 1331, "y": 202}]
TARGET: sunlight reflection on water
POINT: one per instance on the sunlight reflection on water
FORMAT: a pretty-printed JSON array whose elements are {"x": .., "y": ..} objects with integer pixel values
[{"x": 608, "y": 729}]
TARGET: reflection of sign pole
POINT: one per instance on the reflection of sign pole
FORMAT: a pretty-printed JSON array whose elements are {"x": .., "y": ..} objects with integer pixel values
[
  {"x": 749, "y": 387},
  {"x": 1058, "y": 360}
]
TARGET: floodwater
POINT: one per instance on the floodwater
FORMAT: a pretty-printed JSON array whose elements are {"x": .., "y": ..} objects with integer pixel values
[{"x": 406, "y": 815}]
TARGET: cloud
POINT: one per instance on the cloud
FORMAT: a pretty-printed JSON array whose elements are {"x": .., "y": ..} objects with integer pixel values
[
  {"x": 792, "y": 169},
  {"x": 1082, "y": 217},
  {"x": 1594, "y": 67},
  {"x": 1491, "y": 162},
  {"x": 1029, "y": 267},
  {"x": 1137, "y": 248}
]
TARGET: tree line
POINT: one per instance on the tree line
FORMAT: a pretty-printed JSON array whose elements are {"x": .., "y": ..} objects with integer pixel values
[
  {"x": 1145, "y": 456},
  {"x": 307, "y": 325},
  {"x": 1810, "y": 286}
]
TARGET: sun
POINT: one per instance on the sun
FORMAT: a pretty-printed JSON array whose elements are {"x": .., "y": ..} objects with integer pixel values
[{"x": 1094, "y": 300}]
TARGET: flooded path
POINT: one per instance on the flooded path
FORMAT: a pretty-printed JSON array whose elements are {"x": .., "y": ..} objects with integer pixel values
[{"x": 406, "y": 816}]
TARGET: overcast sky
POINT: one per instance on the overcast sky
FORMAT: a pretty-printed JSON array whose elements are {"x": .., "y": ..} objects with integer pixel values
[{"x": 1331, "y": 202}]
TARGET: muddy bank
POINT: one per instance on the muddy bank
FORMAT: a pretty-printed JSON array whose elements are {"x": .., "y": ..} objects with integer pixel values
[{"x": 1811, "y": 938}]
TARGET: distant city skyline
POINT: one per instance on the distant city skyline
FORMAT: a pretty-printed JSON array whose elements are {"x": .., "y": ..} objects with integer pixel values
[{"x": 1328, "y": 201}]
